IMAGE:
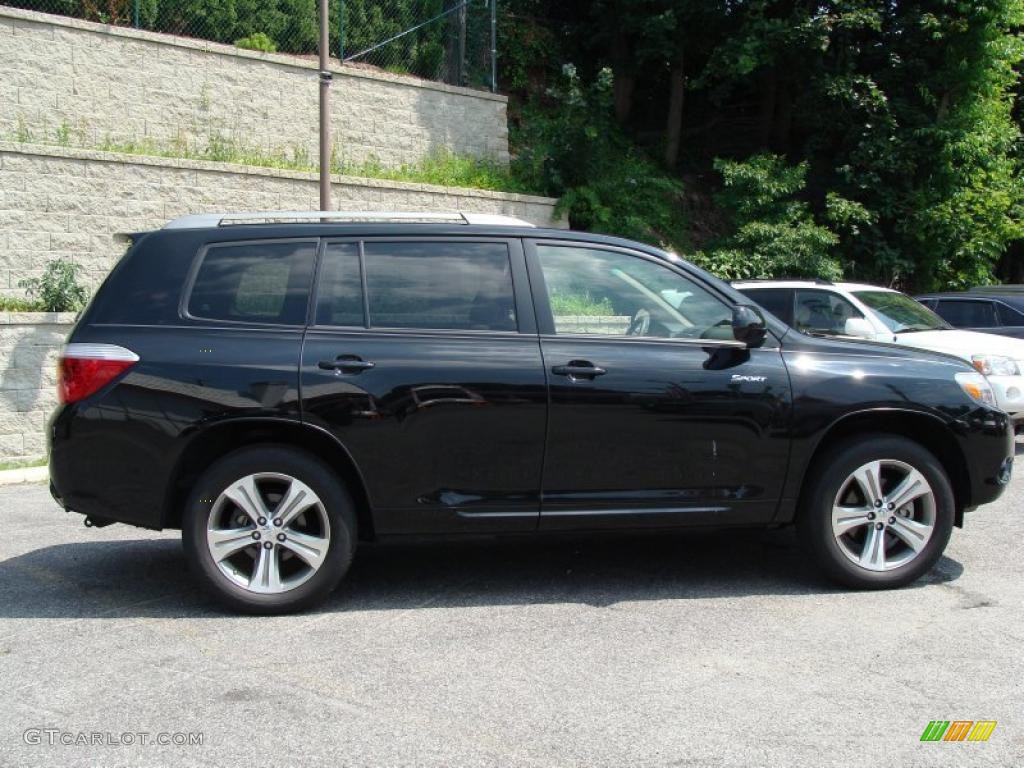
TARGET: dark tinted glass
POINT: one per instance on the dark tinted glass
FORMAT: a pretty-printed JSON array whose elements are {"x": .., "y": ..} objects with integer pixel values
[
  {"x": 778, "y": 301},
  {"x": 967, "y": 314},
  {"x": 446, "y": 286},
  {"x": 340, "y": 297},
  {"x": 146, "y": 285},
  {"x": 254, "y": 282},
  {"x": 1009, "y": 316}
]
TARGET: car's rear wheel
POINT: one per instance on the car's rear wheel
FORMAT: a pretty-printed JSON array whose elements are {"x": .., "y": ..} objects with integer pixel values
[
  {"x": 269, "y": 529},
  {"x": 878, "y": 511}
]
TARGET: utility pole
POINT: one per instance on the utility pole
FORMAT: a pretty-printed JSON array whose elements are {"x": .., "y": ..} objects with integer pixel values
[
  {"x": 462, "y": 44},
  {"x": 494, "y": 46},
  {"x": 325, "y": 111}
]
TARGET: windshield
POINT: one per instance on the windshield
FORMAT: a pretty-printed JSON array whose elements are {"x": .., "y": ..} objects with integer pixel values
[{"x": 900, "y": 313}]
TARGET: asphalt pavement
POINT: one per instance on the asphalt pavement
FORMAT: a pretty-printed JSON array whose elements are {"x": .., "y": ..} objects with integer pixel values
[{"x": 705, "y": 649}]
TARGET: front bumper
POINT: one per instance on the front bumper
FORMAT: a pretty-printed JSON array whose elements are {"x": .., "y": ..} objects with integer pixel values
[
  {"x": 1009, "y": 392},
  {"x": 987, "y": 445}
]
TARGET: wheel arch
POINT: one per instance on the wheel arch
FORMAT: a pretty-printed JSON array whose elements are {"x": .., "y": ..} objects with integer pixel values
[
  {"x": 927, "y": 430},
  {"x": 217, "y": 440}
]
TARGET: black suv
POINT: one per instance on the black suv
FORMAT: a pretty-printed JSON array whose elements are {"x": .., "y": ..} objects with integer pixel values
[
  {"x": 988, "y": 308},
  {"x": 283, "y": 386}
]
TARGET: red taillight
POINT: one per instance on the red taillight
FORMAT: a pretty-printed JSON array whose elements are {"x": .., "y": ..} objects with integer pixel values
[{"x": 86, "y": 368}]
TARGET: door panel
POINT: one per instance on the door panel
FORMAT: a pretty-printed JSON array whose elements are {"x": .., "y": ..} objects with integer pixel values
[
  {"x": 446, "y": 424},
  {"x": 663, "y": 430},
  {"x": 681, "y": 433}
]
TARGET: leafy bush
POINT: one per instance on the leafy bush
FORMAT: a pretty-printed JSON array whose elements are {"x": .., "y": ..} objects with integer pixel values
[
  {"x": 257, "y": 41},
  {"x": 568, "y": 145},
  {"x": 369, "y": 22},
  {"x": 58, "y": 289},
  {"x": 772, "y": 231}
]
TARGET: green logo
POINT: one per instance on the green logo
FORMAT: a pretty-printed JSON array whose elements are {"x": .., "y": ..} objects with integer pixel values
[{"x": 958, "y": 730}]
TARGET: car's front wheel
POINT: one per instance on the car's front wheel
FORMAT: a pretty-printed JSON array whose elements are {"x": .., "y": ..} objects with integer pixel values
[
  {"x": 269, "y": 529},
  {"x": 878, "y": 511}
]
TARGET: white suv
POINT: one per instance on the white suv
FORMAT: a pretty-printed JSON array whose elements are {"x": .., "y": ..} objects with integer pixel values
[{"x": 882, "y": 314}]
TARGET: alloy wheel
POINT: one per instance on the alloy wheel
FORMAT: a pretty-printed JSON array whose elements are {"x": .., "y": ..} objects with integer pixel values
[
  {"x": 884, "y": 515},
  {"x": 268, "y": 533}
]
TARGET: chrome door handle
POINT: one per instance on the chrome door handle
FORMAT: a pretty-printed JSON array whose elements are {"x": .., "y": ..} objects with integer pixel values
[
  {"x": 579, "y": 369},
  {"x": 346, "y": 364}
]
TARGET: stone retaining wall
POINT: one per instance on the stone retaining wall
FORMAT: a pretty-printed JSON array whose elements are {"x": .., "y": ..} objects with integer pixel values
[
  {"x": 68, "y": 203},
  {"x": 86, "y": 83},
  {"x": 29, "y": 345}
]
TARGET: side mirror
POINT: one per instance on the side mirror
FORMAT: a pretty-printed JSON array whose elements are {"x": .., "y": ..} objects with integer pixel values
[
  {"x": 858, "y": 327},
  {"x": 748, "y": 325}
]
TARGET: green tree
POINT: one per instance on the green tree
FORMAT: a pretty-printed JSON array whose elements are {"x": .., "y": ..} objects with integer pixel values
[
  {"x": 570, "y": 146},
  {"x": 772, "y": 232}
]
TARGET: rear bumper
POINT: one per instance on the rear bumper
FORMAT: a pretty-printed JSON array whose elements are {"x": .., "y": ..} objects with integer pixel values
[
  {"x": 56, "y": 495},
  {"x": 103, "y": 470}
]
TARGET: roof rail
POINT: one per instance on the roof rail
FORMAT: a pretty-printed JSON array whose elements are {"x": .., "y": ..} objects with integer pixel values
[
  {"x": 814, "y": 280},
  {"x": 207, "y": 220},
  {"x": 1006, "y": 288}
]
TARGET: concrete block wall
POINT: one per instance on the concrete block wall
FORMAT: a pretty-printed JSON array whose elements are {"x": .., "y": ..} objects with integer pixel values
[
  {"x": 29, "y": 345},
  {"x": 93, "y": 82},
  {"x": 68, "y": 203}
]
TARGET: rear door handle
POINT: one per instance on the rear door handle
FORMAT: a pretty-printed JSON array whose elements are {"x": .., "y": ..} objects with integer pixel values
[
  {"x": 579, "y": 369},
  {"x": 346, "y": 364}
]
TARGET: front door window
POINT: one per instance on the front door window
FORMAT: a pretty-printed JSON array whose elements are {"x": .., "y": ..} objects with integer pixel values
[
  {"x": 823, "y": 312},
  {"x": 610, "y": 293}
]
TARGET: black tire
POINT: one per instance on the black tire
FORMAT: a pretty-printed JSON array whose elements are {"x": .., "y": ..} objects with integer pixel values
[
  {"x": 825, "y": 480},
  {"x": 270, "y": 458}
]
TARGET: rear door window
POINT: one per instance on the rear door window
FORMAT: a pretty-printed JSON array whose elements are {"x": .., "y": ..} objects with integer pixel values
[
  {"x": 340, "y": 295},
  {"x": 967, "y": 314},
  {"x": 462, "y": 286},
  {"x": 264, "y": 282}
]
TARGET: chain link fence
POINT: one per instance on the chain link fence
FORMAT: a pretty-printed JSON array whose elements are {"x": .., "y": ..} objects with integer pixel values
[{"x": 450, "y": 41}]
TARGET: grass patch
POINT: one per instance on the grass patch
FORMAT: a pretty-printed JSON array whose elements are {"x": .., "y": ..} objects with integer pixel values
[
  {"x": 14, "y": 304},
  {"x": 218, "y": 149},
  {"x": 23, "y": 463},
  {"x": 442, "y": 168}
]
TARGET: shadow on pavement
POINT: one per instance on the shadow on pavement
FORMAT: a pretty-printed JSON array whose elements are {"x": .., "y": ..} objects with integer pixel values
[{"x": 149, "y": 577}]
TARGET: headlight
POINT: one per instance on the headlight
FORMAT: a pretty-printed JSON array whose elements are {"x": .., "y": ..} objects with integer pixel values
[
  {"x": 977, "y": 387},
  {"x": 995, "y": 365}
]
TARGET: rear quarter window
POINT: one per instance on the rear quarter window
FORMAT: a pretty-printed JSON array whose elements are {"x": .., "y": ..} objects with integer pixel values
[
  {"x": 778, "y": 301},
  {"x": 1009, "y": 315},
  {"x": 145, "y": 287},
  {"x": 265, "y": 282}
]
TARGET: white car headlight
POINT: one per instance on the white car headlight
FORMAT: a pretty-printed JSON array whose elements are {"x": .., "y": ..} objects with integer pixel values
[
  {"x": 977, "y": 387},
  {"x": 995, "y": 365}
]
